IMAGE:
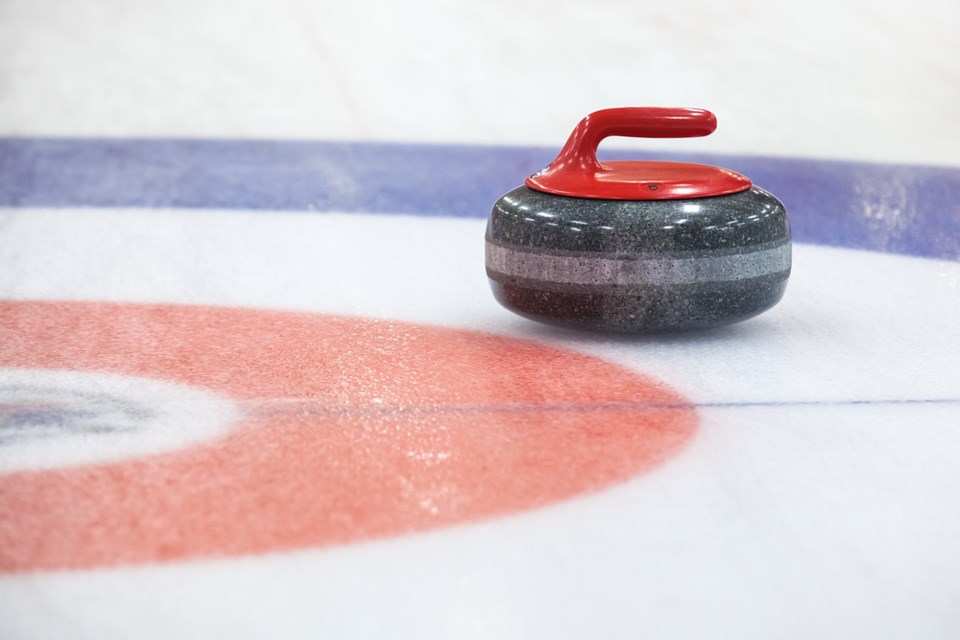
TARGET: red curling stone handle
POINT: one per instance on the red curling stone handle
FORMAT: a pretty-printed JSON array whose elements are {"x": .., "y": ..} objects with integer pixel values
[{"x": 577, "y": 172}]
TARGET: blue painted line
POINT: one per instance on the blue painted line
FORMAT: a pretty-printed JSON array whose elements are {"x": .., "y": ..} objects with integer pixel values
[
  {"x": 911, "y": 210},
  {"x": 828, "y": 403},
  {"x": 302, "y": 406}
]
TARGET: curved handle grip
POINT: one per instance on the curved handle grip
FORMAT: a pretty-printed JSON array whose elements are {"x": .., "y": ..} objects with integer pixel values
[
  {"x": 580, "y": 151},
  {"x": 576, "y": 171}
]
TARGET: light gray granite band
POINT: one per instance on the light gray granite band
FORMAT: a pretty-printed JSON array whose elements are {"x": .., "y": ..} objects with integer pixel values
[{"x": 632, "y": 271}]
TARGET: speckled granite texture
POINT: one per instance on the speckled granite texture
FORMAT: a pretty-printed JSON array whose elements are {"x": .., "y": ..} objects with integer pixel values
[{"x": 638, "y": 266}]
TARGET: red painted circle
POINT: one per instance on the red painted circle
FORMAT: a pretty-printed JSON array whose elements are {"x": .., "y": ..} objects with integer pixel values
[{"x": 354, "y": 429}]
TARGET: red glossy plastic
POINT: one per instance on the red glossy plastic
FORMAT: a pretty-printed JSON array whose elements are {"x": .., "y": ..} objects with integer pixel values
[{"x": 577, "y": 172}]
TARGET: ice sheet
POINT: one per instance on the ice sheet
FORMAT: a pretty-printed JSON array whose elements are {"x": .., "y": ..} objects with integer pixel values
[{"x": 249, "y": 238}]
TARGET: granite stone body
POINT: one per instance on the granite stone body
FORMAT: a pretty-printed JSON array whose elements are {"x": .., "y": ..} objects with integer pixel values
[{"x": 638, "y": 265}]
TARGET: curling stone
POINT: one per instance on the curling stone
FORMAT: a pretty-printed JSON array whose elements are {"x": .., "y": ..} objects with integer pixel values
[{"x": 637, "y": 246}]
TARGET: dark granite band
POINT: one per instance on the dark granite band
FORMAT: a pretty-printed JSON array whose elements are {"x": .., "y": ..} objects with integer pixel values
[
  {"x": 529, "y": 218},
  {"x": 641, "y": 309}
]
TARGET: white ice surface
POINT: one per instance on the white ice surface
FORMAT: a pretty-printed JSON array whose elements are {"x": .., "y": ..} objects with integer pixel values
[
  {"x": 112, "y": 417},
  {"x": 855, "y": 79},
  {"x": 829, "y": 513},
  {"x": 854, "y": 325}
]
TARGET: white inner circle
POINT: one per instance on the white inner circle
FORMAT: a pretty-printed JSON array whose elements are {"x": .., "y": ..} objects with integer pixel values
[{"x": 53, "y": 418}]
